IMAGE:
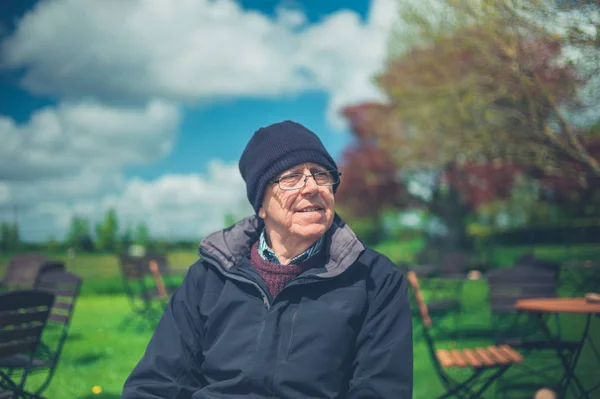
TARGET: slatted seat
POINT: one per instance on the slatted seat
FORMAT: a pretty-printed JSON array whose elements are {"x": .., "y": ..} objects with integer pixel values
[
  {"x": 479, "y": 357},
  {"x": 486, "y": 363}
]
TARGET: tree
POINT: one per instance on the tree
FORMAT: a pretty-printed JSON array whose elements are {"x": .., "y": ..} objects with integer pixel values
[
  {"x": 9, "y": 237},
  {"x": 370, "y": 185},
  {"x": 107, "y": 238},
  {"x": 52, "y": 245},
  {"x": 370, "y": 182},
  {"x": 485, "y": 83},
  {"x": 79, "y": 236},
  {"x": 142, "y": 235},
  {"x": 376, "y": 177},
  {"x": 229, "y": 219},
  {"x": 126, "y": 239},
  {"x": 480, "y": 183},
  {"x": 478, "y": 92}
]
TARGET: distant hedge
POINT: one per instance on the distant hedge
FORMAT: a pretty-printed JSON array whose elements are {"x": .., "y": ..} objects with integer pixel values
[{"x": 549, "y": 235}]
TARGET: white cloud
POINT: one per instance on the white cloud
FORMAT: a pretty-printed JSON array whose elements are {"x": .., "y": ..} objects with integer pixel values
[
  {"x": 184, "y": 205},
  {"x": 189, "y": 50},
  {"x": 172, "y": 206},
  {"x": 4, "y": 192},
  {"x": 290, "y": 17},
  {"x": 71, "y": 138},
  {"x": 121, "y": 68}
]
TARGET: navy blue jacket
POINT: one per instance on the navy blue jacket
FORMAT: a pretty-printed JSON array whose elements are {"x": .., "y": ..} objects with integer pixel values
[{"x": 340, "y": 331}]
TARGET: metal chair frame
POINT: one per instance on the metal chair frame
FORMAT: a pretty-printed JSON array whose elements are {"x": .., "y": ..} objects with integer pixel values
[
  {"x": 486, "y": 364},
  {"x": 23, "y": 318}
]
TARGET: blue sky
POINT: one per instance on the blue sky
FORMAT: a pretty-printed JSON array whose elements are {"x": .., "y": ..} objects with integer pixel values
[{"x": 145, "y": 106}]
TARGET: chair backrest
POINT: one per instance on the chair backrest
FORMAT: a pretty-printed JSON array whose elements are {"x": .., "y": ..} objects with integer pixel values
[
  {"x": 426, "y": 320},
  {"x": 456, "y": 262},
  {"x": 161, "y": 261},
  {"x": 22, "y": 270},
  {"x": 134, "y": 271},
  {"x": 507, "y": 285},
  {"x": 51, "y": 266},
  {"x": 131, "y": 271},
  {"x": 529, "y": 260},
  {"x": 23, "y": 316},
  {"x": 158, "y": 279},
  {"x": 420, "y": 301},
  {"x": 428, "y": 256},
  {"x": 66, "y": 287}
]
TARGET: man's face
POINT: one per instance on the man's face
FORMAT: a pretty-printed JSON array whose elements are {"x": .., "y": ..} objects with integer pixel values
[{"x": 306, "y": 212}]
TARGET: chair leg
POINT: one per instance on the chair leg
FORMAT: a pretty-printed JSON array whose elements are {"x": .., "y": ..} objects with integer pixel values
[
  {"x": 497, "y": 374},
  {"x": 459, "y": 387}
]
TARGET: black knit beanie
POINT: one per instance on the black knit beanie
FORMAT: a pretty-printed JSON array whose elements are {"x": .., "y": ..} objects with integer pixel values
[{"x": 276, "y": 148}]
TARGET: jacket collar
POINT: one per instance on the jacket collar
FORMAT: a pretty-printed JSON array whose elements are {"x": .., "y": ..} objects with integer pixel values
[{"x": 231, "y": 245}]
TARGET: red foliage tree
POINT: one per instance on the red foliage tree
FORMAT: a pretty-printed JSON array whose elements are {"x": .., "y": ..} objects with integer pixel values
[
  {"x": 370, "y": 182},
  {"x": 480, "y": 183}
]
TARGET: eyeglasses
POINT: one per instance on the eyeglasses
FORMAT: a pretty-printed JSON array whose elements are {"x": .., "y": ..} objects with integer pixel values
[{"x": 296, "y": 181}]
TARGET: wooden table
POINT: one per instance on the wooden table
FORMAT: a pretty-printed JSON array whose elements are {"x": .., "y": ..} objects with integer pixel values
[
  {"x": 564, "y": 305},
  {"x": 558, "y": 305}
]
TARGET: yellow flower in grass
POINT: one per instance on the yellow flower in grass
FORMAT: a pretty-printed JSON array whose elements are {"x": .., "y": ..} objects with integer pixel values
[{"x": 97, "y": 389}]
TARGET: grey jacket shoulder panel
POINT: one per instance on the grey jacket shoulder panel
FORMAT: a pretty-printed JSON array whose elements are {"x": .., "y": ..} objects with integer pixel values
[{"x": 234, "y": 243}]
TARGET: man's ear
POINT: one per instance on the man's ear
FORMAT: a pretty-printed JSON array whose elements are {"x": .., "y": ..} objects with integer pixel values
[{"x": 261, "y": 213}]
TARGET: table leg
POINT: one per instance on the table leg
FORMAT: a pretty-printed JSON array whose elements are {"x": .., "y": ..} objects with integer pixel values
[{"x": 568, "y": 365}]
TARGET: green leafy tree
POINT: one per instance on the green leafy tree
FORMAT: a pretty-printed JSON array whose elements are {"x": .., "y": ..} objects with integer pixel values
[
  {"x": 107, "y": 238},
  {"x": 229, "y": 219},
  {"x": 488, "y": 81},
  {"x": 370, "y": 186},
  {"x": 470, "y": 85},
  {"x": 9, "y": 237},
  {"x": 126, "y": 239},
  {"x": 79, "y": 236},
  {"x": 142, "y": 236},
  {"x": 52, "y": 245}
]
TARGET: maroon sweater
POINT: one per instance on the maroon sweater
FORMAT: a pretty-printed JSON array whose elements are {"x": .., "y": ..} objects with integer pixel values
[{"x": 278, "y": 276}]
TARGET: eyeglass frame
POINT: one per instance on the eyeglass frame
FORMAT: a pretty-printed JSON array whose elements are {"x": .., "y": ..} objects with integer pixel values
[{"x": 306, "y": 176}]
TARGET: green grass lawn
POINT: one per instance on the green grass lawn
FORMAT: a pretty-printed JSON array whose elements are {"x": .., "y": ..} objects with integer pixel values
[{"x": 99, "y": 353}]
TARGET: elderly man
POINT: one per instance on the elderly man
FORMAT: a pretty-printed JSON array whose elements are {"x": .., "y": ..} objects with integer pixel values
[{"x": 287, "y": 303}]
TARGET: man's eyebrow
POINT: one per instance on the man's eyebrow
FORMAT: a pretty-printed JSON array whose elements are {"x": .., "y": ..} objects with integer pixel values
[
  {"x": 295, "y": 169},
  {"x": 315, "y": 169}
]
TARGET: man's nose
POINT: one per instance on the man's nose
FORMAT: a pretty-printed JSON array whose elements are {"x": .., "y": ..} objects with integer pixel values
[{"x": 310, "y": 184}]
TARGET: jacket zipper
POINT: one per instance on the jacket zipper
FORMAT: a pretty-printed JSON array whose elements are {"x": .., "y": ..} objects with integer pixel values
[{"x": 236, "y": 277}]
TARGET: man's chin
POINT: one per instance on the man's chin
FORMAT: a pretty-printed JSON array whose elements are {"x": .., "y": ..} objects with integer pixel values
[{"x": 312, "y": 230}]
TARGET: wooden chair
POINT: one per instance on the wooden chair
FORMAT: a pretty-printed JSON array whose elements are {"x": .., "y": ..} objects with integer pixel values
[
  {"x": 145, "y": 289},
  {"x": 448, "y": 280},
  {"x": 170, "y": 278},
  {"x": 23, "y": 316},
  {"x": 439, "y": 310},
  {"x": 66, "y": 287},
  {"x": 21, "y": 271},
  {"x": 455, "y": 265},
  {"x": 485, "y": 364},
  {"x": 446, "y": 283},
  {"x": 507, "y": 286}
]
